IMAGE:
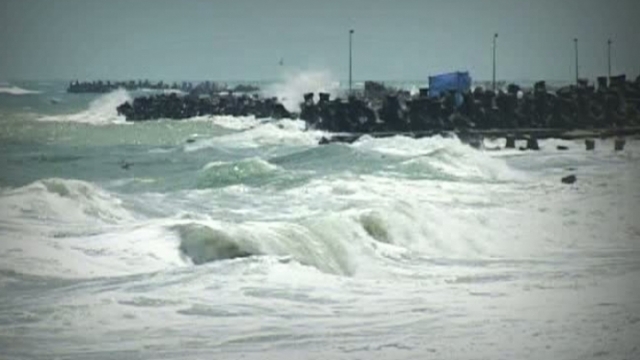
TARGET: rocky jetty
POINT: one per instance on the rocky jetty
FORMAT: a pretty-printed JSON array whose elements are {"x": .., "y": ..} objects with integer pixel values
[
  {"x": 537, "y": 112},
  {"x": 107, "y": 86},
  {"x": 611, "y": 104},
  {"x": 173, "y": 106},
  {"x": 201, "y": 88}
]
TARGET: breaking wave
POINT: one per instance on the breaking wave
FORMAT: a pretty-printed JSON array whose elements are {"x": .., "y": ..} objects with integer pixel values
[
  {"x": 204, "y": 244},
  {"x": 55, "y": 201},
  {"x": 218, "y": 174},
  {"x": 351, "y": 242},
  {"x": 267, "y": 133},
  {"x": 445, "y": 158},
  {"x": 101, "y": 111},
  {"x": 14, "y": 90},
  {"x": 305, "y": 242}
]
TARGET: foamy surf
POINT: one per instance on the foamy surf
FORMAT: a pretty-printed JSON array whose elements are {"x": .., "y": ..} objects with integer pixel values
[
  {"x": 440, "y": 158},
  {"x": 265, "y": 133},
  {"x": 54, "y": 202}
]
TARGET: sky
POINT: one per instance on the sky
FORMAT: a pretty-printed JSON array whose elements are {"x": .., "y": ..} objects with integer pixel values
[{"x": 245, "y": 39}]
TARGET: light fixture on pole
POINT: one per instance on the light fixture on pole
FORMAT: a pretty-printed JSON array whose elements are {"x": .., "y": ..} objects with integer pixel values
[
  {"x": 350, "y": 60},
  {"x": 575, "y": 42},
  {"x": 495, "y": 37},
  {"x": 609, "y": 42}
]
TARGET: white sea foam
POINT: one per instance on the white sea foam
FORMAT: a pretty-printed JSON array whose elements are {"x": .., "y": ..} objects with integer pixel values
[
  {"x": 446, "y": 156},
  {"x": 235, "y": 122},
  {"x": 163, "y": 91},
  {"x": 266, "y": 133}
]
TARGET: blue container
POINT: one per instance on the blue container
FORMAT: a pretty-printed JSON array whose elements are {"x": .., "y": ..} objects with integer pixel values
[{"x": 459, "y": 82}]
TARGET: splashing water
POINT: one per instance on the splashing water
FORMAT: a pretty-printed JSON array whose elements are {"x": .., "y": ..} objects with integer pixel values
[
  {"x": 290, "y": 92},
  {"x": 102, "y": 110}
]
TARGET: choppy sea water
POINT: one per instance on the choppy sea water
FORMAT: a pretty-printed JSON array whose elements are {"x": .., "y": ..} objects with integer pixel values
[{"x": 250, "y": 241}]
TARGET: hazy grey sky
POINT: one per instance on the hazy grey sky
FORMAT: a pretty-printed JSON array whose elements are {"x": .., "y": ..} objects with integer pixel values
[{"x": 245, "y": 39}]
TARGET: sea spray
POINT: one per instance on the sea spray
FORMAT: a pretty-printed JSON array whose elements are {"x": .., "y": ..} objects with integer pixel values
[
  {"x": 102, "y": 110},
  {"x": 295, "y": 84}
]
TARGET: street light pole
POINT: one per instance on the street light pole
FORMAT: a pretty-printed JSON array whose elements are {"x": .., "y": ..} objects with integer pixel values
[
  {"x": 575, "y": 41},
  {"x": 350, "y": 60},
  {"x": 495, "y": 37},
  {"x": 609, "y": 42}
]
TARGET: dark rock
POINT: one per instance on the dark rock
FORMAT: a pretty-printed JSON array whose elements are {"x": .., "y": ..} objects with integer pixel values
[
  {"x": 324, "y": 141},
  {"x": 125, "y": 165},
  {"x": 569, "y": 179},
  {"x": 243, "y": 88},
  {"x": 511, "y": 142},
  {"x": 602, "y": 83},
  {"x": 532, "y": 144},
  {"x": 590, "y": 144}
]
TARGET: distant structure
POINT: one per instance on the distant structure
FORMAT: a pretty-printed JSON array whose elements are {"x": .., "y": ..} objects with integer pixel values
[
  {"x": 202, "y": 88},
  {"x": 350, "y": 59},
  {"x": 493, "y": 82},
  {"x": 107, "y": 86}
]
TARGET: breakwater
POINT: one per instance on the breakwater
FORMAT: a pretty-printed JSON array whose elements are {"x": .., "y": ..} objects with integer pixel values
[
  {"x": 610, "y": 103},
  {"x": 202, "y": 88},
  {"x": 172, "y": 106}
]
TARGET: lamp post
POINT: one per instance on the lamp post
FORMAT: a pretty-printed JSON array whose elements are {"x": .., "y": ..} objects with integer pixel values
[
  {"x": 495, "y": 37},
  {"x": 609, "y": 42},
  {"x": 350, "y": 59},
  {"x": 575, "y": 42}
]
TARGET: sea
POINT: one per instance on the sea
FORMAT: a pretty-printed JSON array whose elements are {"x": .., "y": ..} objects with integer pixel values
[{"x": 242, "y": 238}]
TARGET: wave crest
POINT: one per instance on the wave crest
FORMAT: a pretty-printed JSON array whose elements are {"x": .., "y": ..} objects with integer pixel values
[
  {"x": 101, "y": 111},
  {"x": 14, "y": 90},
  {"x": 60, "y": 200},
  {"x": 204, "y": 244},
  {"x": 307, "y": 242},
  {"x": 281, "y": 132},
  {"x": 444, "y": 158},
  {"x": 218, "y": 174}
]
